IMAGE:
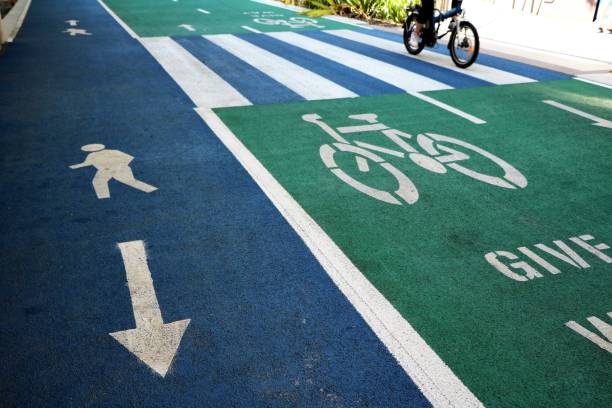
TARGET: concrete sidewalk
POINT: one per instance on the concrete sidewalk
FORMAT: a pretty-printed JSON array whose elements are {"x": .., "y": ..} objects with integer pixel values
[{"x": 574, "y": 46}]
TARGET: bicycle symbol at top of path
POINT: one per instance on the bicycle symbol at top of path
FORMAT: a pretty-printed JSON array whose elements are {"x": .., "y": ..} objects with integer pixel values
[{"x": 157, "y": 18}]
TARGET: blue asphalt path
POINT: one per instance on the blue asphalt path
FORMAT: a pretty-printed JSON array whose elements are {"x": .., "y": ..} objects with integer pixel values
[{"x": 268, "y": 327}]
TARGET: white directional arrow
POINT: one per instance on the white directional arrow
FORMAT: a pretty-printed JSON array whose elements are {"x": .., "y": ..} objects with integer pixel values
[
  {"x": 73, "y": 23},
  {"x": 203, "y": 11},
  {"x": 154, "y": 342},
  {"x": 598, "y": 121},
  {"x": 187, "y": 27}
]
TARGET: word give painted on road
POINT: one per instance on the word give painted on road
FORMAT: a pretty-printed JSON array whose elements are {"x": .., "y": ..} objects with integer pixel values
[
  {"x": 522, "y": 271},
  {"x": 438, "y": 158}
]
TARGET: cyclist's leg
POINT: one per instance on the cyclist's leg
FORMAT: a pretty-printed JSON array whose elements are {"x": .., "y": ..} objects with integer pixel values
[{"x": 426, "y": 15}]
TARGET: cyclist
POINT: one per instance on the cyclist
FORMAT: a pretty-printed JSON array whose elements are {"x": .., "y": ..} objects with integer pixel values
[{"x": 425, "y": 16}]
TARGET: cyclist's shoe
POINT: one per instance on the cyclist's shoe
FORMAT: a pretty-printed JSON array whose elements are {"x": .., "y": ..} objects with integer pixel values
[{"x": 415, "y": 40}]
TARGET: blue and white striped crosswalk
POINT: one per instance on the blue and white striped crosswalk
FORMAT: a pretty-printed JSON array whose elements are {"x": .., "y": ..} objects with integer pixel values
[{"x": 237, "y": 70}]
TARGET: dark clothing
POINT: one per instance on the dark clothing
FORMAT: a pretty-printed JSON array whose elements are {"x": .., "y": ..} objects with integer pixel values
[{"x": 427, "y": 9}]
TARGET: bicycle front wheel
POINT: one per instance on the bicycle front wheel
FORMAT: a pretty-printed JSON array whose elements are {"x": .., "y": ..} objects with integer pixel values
[
  {"x": 409, "y": 27},
  {"x": 464, "y": 45}
]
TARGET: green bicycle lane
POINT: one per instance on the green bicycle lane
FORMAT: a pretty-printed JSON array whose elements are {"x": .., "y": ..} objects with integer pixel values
[
  {"x": 157, "y": 18},
  {"x": 499, "y": 279}
]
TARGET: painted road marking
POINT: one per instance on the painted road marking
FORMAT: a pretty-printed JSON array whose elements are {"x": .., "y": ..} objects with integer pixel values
[
  {"x": 118, "y": 20},
  {"x": 187, "y": 27},
  {"x": 251, "y": 29},
  {"x": 598, "y": 121},
  {"x": 448, "y": 108},
  {"x": 203, "y": 11},
  {"x": 403, "y": 79},
  {"x": 200, "y": 83},
  {"x": 433, "y": 377},
  {"x": 154, "y": 342},
  {"x": 303, "y": 82},
  {"x": 72, "y": 23},
  {"x": 492, "y": 75},
  {"x": 76, "y": 31},
  {"x": 455, "y": 283},
  {"x": 111, "y": 164},
  {"x": 604, "y": 328}
]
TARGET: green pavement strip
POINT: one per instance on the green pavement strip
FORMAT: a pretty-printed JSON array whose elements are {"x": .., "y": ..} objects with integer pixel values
[
  {"x": 161, "y": 18},
  {"x": 502, "y": 333}
]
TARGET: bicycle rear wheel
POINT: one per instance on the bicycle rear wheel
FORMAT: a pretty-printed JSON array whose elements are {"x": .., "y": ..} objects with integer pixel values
[{"x": 464, "y": 45}]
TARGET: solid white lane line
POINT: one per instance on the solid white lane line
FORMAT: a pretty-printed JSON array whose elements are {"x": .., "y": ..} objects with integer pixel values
[
  {"x": 449, "y": 108},
  {"x": 305, "y": 83},
  {"x": 203, "y": 11},
  {"x": 251, "y": 29},
  {"x": 434, "y": 378},
  {"x": 493, "y": 75},
  {"x": 118, "y": 20},
  {"x": 401, "y": 78},
  {"x": 598, "y": 121},
  {"x": 601, "y": 79},
  {"x": 200, "y": 83}
]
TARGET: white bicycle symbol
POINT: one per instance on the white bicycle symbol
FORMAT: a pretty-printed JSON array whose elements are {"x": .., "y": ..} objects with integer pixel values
[
  {"x": 293, "y": 22},
  {"x": 438, "y": 158}
]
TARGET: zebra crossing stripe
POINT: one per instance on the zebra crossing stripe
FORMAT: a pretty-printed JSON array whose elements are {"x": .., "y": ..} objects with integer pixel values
[
  {"x": 401, "y": 78},
  {"x": 302, "y": 81},
  {"x": 200, "y": 83},
  {"x": 485, "y": 73}
]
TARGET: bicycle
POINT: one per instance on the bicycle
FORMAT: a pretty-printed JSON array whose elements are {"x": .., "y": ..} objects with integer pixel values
[
  {"x": 464, "y": 43},
  {"x": 437, "y": 158}
]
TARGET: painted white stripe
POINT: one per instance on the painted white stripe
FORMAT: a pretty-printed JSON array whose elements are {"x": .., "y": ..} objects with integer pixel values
[
  {"x": 13, "y": 20},
  {"x": 118, "y": 20},
  {"x": 200, "y": 83},
  {"x": 603, "y": 79},
  {"x": 598, "y": 121},
  {"x": 203, "y": 11},
  {"x": 449, "y": 108},
  {"x": 493, "y": 75},
  {"x": 435, "y": 379},
  {"x": 280, "y": 5},
  {"x": 303, "y": 82},
  {"x": 401, "y": 78},
  {"x": 251, "y": 29}
]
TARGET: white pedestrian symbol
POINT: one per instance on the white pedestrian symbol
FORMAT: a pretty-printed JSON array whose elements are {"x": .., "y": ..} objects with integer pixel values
[{"x": 111, "y": 164}]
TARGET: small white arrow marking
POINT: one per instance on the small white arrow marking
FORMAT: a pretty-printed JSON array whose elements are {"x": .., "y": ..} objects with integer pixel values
[
  {"x": 598, "y": 121},
  {"x": 154, "y": 342},
  {"x": 76, "y": 31},
  {"x": 204, "y": 11},
  {"x": 187, "y": 27},
  {"x": 73, "y": 23}
]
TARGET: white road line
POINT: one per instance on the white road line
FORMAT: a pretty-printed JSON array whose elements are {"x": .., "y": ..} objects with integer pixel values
[
  {"x": 280, "y": 5},
  {"x": 449, "y": 108},
  {"x": 401, "y": 78},
  {"x": 118, "y": 20},
  {"x": 598, "y": 121},
  {"x": 303, "y": 82},
  {"x": 200, "y": 83},
  {"x": 435, "y": 379},
  {"x": 493, "y": 75},
  {"x": 203, "y": 11},
  {"x": 604, "y": 80},
  {"x": 251, "y": 29}
]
